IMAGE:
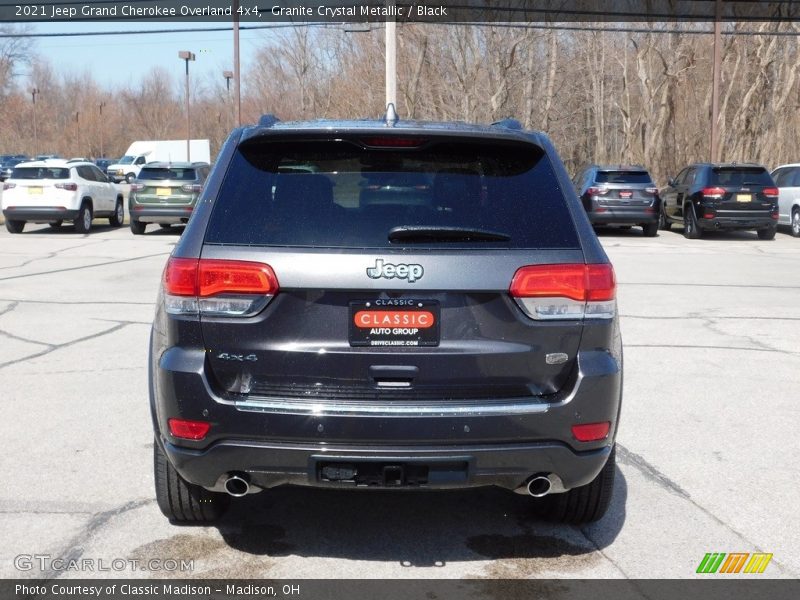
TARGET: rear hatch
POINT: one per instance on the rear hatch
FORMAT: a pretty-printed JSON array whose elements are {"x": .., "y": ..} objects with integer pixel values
[
  {"x": 394, "y": 256},
  {"x": 740, "y": 191},
  {"x": 623, "y": 188},
  {"x": 166, "y": 185},
  {"x": 39, "y": 186}
]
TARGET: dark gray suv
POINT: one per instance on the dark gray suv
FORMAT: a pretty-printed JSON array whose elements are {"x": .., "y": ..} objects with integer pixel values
[
  {"x": 620, "y": 196},
  {"x": 373, "y": 304}
]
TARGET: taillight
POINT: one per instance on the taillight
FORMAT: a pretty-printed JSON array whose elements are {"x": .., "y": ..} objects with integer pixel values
[
  {"x": 591, "y": 432},
  {"x": 70, "y": 187},
  {"x": 651, "y": 190},
  {"x": 770, "y": 192},
  {"x": 713, "y": 192},
  {"x": 231, "y": 288},
  {"x": 597, "y": 191},
  {"x": 571, "y": 291},
  {"x": 137, "y": 187},
  {"x": 192, "y": 188},
  {"x": 188, "y": 430},
  {"x": 8, "y": 186}
]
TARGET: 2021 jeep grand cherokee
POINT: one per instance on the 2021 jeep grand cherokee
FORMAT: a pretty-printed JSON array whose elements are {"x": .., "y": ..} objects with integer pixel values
[{"x": 386, "y": 304}]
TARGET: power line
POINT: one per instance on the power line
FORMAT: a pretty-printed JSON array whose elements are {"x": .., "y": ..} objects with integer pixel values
[{"x": 584, "y": 28}]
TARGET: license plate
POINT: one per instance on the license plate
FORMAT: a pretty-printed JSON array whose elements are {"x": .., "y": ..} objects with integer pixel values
[
  {"x": 744, "y": 198},
  {"x": 626, "y": 194},
  {"x": 35, "y": 191},
  {"x": 387, "y": 323},
  {"x": 163, "y": 192}
]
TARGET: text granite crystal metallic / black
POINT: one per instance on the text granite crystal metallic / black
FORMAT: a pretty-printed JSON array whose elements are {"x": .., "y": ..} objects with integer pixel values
[{"x": 386, "y": 304}]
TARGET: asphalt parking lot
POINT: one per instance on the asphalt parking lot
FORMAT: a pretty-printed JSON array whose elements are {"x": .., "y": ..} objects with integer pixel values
[{"x": 708, "y": 445}]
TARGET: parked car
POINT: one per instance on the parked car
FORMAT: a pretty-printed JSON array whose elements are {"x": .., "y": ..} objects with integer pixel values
[
  {"x": 8, "y": 165},
  {"x": 721, "y": 196},
  {"x": 165, "y": 193},
  {"x": 619, "y": 195},
  {"x": 464, "y": 336},
  {"x": 54, "y": 191},
  {"x": 787, "y": 178},
  {"x": 103, "y": 163}
]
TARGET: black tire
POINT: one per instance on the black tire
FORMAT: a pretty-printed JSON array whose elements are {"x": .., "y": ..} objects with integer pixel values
[
  {"x": 650, "y": 229},
  {"x": 119, "y": 214},
  {"x": 796, "y": 222},
  {"x": 137, "y": 227},
  {"x": 83, "y": 222},
  {"x": 181, "y": 501},
  {"x": 165, "y": 225},
  {"x": 691, "y": 231},
  {"x": 583, "y": 504},
  {"x": 663, "y": 222},
  {"x": 56, "y": 224},
  {"x": 130, "y": 177},
  {"x": 767, "y": 233},
  {"x": 15, "y": 226}
]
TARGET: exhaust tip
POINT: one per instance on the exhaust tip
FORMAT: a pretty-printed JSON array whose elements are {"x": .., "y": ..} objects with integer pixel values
[
  {"x": 539, "y": 486},
  {"x": 237, "y": 485}
]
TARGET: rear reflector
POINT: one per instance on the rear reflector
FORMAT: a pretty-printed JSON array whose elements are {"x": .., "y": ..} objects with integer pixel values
[
  {"x": 569, "y": 291},
  {"x": 591, "y": 432},
  {"x": 188, "y": 430},
  {"x": 217, "y": 287}
]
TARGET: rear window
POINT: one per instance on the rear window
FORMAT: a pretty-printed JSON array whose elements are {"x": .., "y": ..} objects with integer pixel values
[
  {"x": 623, "y": 177},
  {"x": 171, "y": 173},
  {"x": 40, "y": 173},
  {"x": 339, "y": 194},
  {"x": 738, "y": 176}
]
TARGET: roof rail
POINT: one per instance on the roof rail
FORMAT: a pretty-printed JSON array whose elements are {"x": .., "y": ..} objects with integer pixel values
[
  {"x": 268, "y": 120},
  {"x": 508, "y": 124}
]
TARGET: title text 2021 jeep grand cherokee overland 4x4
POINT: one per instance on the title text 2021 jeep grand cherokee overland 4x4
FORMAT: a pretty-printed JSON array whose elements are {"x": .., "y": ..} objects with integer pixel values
[{"x": 378, "y": 304}]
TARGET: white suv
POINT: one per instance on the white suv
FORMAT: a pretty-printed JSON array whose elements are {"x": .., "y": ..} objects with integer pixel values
[
  {"x": 54, "y": 191},
  {"x": 787, "y": 178}
]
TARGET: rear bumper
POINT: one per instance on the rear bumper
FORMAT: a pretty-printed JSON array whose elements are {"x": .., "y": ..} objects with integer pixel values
[
  {"x": 623, "y": 217},
  {"x": 278, "y": 442},
  {"x": 737, "y": 222},
  {"x": 39, "y": 214},
  {"x": 156, "y": 214},
  {"x": 269, "y": 464}
]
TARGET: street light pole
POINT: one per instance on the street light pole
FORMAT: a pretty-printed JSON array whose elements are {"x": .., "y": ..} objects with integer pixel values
[
  {"x": 34, "y": 92},
  {"x": 228, "y": 75},
  {"x": 186, "y": 56}
]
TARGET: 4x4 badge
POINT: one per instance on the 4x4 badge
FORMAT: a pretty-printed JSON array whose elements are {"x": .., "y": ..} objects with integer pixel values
[{"x": 411, "y": 272}]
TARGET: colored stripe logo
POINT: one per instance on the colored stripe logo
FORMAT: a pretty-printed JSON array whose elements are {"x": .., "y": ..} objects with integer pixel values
[{"x": 734, "y": 562}]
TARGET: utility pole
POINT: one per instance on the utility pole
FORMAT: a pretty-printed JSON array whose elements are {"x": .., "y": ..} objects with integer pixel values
[
  {"x": 101, "y": 105},
  {"x": 236, "y": 72},
  {"x": 391, "y": 55},
  {"x": 715, "y": 84},
  {"x": 186, "y": 56},
  {"x": 34, "y": 92}
]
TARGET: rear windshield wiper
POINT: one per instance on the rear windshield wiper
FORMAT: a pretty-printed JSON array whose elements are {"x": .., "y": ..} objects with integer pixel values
[{"x": 423, "y": 233}]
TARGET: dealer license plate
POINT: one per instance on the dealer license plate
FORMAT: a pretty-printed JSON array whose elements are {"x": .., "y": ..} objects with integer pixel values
[{"x": 394, "y": 322}]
